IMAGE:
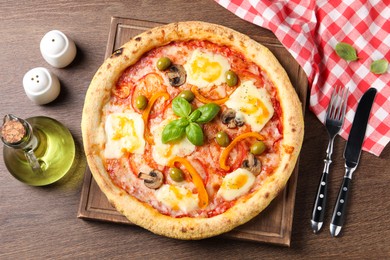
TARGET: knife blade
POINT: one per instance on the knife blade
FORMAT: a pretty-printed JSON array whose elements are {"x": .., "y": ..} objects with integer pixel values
[{"x": 352, "y": 155}]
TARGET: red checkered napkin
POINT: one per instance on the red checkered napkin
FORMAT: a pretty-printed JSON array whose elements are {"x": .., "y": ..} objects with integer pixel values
[{"x": 311, "y": 29}]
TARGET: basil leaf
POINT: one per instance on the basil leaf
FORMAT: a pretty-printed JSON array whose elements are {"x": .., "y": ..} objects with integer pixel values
[
  {"x": 379, "y": 66},
  {"x": 194, "y": 115},
  {"x": 346, "y": 51},
  {"x": 173, "y": 131},
  {"x": 194, "y": 134},
  {"x": 209, "y": 111},
  {"x": 181, "y": 107},
  {"x": 181, "y": 122}
]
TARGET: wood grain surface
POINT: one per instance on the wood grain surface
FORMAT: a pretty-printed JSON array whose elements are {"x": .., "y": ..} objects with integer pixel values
[{"x": 38, "y": 223}]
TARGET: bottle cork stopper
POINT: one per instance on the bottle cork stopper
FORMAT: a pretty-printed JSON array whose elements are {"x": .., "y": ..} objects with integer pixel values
[{"x": 12, "y": 131}]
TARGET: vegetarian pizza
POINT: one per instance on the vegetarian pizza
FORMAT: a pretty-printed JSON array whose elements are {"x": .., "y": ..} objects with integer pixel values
[{"x": 191, "y": 129}]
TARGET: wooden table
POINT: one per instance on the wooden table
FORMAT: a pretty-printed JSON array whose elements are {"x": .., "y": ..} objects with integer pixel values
[{"x": 41, "y": 222}]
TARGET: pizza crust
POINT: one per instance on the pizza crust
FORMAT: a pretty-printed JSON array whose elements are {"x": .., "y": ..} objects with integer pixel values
[{"x": 94, "y": 138}]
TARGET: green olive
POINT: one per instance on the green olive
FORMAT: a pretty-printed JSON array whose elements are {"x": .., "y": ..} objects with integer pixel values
[
  {"x": 176, "y": 174},
  {"x": 258, "y": 148},
  {"x": 141, "y": 102},
  {"x": 187, "y": 95},
  {"x": 231, "y": 78},
  {"x": 163, "y": 63},
  {"x": 222, "y": 139}
]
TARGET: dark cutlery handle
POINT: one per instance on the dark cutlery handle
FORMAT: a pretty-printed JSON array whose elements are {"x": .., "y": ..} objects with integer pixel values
[
  {"x": 318, "y": 213},
  {"x": 340, "y": 208}
]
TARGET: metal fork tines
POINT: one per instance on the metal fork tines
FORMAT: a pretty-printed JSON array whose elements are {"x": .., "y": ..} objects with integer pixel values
[{"x": 333, "y": 122}]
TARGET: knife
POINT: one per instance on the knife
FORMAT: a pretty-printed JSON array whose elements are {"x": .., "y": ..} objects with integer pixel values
[{"x": 352, "y": 155}]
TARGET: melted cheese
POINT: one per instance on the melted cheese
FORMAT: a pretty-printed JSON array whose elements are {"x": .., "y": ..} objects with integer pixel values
[
  {"x": 162, "y": 153},
  {"x": 177, "y": 198},
  {"x": 124, "y": 134},
  {"x": 253, "y": 103},
  {"x": 236, "y": 184},
  {"x": 206, "y": 69}
]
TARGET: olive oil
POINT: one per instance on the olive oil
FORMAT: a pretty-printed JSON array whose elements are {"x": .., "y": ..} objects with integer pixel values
[{"x": 54, "y": 150}]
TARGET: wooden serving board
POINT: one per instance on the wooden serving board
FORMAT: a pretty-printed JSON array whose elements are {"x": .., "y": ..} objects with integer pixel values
[{"x": 275, "y": 223}]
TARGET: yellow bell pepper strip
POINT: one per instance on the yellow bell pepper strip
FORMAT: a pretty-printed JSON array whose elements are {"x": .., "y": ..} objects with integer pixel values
[
  {"x": 196, "y": 179},
  {"x": 146, "y": 113},
  {"x": 205, "y": 100},
  {"x": 228, "y": 149}
]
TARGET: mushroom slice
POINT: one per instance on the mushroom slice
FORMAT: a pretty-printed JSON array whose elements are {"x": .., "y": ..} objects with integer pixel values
[
  {"x": 239, "y": 120},
  {"x": 153, "y": 180},
  {"x": 176, "y": 75},
  {"x": 252, "y": 164},
  {"x": 227, "y": 116},
  {"x": 232, "y": 118}
]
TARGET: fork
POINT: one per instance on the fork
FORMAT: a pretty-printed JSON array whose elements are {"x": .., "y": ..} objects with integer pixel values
[{"x": 334, "y": 120}]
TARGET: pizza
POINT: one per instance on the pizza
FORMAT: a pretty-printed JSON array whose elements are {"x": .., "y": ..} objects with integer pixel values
[{"x": 191, "y": 129}]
